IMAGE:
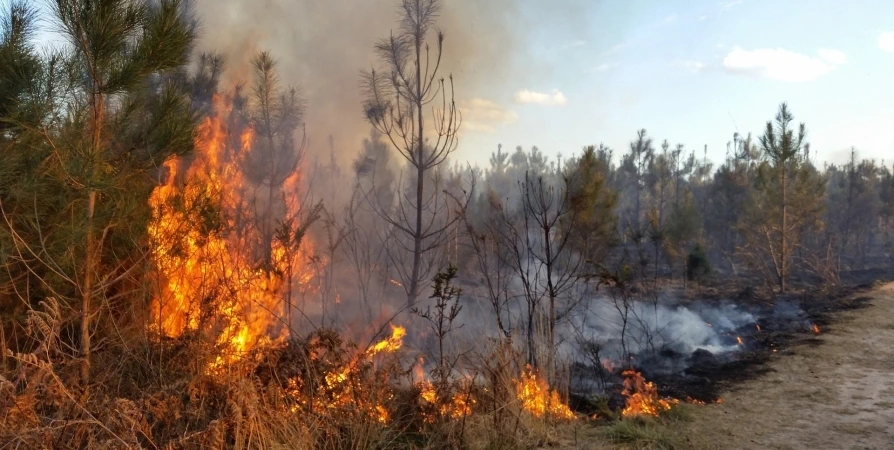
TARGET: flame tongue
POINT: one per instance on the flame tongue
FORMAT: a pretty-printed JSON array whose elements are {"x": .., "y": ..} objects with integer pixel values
[
  {"x": 642, "y": 396},
  {"x": 202, "y": 251},
  {"x": 392, "y": 344},
  {"x": 536, "y": 397}
]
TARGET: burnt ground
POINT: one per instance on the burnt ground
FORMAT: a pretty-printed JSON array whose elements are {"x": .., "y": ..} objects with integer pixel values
[
  {"x": 777, "y": 336},
  {"x": 834, "y": 390},
  {"x": 785, "y": 323}
]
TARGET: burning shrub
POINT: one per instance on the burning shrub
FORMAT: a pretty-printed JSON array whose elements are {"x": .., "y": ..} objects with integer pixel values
[
  {"x": 642, "y": 396},
  {"x": 537, "y": 398}
]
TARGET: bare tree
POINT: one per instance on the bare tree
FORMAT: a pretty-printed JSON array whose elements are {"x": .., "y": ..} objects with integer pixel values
[
  {"x": 536, "y": 240},
  {"x": 395, "y": 98}
]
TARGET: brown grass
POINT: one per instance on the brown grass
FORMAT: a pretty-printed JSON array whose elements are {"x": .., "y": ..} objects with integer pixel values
[{"x": 160, "y": 394}]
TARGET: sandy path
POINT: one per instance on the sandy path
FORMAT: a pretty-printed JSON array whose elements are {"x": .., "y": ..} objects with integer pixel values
[{"x": 837, "y": 395}]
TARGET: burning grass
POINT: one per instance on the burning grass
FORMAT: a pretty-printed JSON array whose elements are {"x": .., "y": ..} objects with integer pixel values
[
  {"x": 318, "y": 392},
  {"x": 537, "y": 398},
  {"x": 642, "y": 397}
]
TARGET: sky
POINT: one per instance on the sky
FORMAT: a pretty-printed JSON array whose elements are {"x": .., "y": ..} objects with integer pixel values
[
  {"x": 690, "y": 71},
  {"x": 695, "y": 72}
]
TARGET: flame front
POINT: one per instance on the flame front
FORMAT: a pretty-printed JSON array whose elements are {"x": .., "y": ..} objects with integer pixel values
[
  {"x": 204, "y": 258},
  {"x": 344, "y": 390},
  {"x": 642, "y": 396},
  {"x": 535, "y": 396},
  {"x": 459, "y": 406}
]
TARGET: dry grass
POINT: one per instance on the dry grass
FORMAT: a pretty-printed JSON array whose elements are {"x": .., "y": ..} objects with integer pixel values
[{"x": 162, "y": 395}]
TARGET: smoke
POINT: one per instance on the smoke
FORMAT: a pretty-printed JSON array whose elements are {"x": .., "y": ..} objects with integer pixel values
[
  {"x": 661, "y": 335},
  {"x": 321, "y": 46}
]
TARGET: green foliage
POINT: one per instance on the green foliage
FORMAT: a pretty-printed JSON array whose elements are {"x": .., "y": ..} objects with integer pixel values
[
  {"x": 441, "y": 320},
  {"x": 643, "y": 434},
  {"x": 786, "y": 201},
  {"x": 697, "y": 264},
  {"x": 592, "y": 202},
  {"x": 86, "y": 130}
]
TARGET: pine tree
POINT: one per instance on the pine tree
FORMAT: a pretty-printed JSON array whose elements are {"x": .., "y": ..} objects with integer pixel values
[
  {"x": 91, "y": 138},
  {"x": 786, "y": 200}
]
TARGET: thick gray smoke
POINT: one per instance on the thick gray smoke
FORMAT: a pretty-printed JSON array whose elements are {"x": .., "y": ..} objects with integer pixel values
[
  {"x": 322, "y": 46},
  {"x": 666, "y": 328}
]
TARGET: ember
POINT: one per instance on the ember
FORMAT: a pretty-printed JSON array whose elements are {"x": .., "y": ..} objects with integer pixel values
[{"x": 816, "y": 329}]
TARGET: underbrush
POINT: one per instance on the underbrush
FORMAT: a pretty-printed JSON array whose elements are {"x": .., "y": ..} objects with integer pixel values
[
  {"x": 648, "y": 433},
  {"x": 317, "y": 392}
]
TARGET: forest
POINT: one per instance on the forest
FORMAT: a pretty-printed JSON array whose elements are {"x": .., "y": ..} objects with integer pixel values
[{"x": 181, "y": 271}]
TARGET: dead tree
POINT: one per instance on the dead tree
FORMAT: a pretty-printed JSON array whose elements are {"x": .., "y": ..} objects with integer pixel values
[
  {"x": 395, "y": 99},
  {"x": 536, "y": 240}
]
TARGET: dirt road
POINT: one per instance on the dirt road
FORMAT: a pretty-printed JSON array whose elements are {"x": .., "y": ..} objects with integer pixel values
[{"x": 836, "y": 395}]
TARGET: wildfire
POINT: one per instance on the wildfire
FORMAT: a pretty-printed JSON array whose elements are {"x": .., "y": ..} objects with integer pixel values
[
  {"x": 816, "y": 329},
  {"x": 342, "y": 388},
  {"x": 695, "y": 401},
  {"x": 642, "y": 396},
  {"x": 536, "y": 397},
  {"x": 391, "y": 344},
  {"x": 204, "y": 254},
  {"x": 459, "y": 406},
  {"x": 739, "y": 340}
]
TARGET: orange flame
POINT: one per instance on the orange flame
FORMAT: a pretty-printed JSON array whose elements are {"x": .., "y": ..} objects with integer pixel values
[
  {"x": 343, "y": 391},
  {"x": 456, "y": 408},
  {"x": 739, "y": 340},
  {"x": 537, "y": 398},
  {"x": 642, "y": 396},
  {"x": 391, "y": 344},
  {"x": 816, "y": 329},
  {"x": 203, "y": 260}
]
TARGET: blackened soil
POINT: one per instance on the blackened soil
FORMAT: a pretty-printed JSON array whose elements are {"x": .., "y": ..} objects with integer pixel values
[{"x": 708, "y": 377}]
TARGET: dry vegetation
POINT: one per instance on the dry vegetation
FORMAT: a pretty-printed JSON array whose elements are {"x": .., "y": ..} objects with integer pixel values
[{"x": 176, "y": 274}]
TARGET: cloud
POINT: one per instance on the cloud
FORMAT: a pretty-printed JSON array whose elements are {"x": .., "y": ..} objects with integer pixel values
[
  {"x": 886, "y": 41},
  {"x": 782, "y": 65},
  {"x": 484, "y": 115},
  {"x": 604, "y": 67},
  {"x": 554, "y": 98},
  {"x": 692, "y": 66},
  {"x": 703, "y": 17},
  {"x": 835, "y": 57},
  {"x": 726, "y": 6},
  {"x": 670, "y": 18}
]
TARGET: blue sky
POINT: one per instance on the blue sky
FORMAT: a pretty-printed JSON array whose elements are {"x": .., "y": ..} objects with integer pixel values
[
  {"x": 689, "y": 71},
  {"x": 694, "y": 72}
]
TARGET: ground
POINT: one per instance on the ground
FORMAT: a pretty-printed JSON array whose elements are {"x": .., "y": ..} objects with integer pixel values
[{"x": 835, "y": 394}]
